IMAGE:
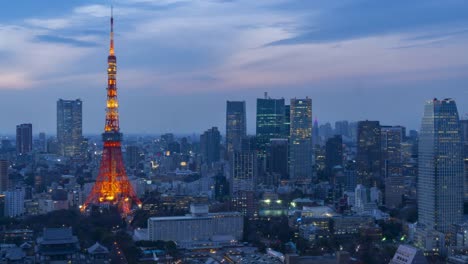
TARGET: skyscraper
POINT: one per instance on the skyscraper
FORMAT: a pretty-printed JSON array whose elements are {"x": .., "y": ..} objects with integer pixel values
[
  {"x": 440, "y": 177},
  {"x": 270, "y": 122},
  {"x": 42, "y": 142},
  {"x": 244, "y": 167},
  {"x": 333, "y": 153},
  {"x": 464, "y": 133},
  {"x": 301, "y": 153},
  {"x": 368, "y": 152},
  {"x": 69, "y": 126},
  {"x": 278, "y": 157},
  {"x": 210, "y": 145},
  {"x": 287, "y": 120},
  {"x": 3, "y": 175},
  {"x": 23, "y": 139},
  {"x": 244, "y": 177},
  {"x": 392, "y": 138},
  {"x": 236, "y": 124}
]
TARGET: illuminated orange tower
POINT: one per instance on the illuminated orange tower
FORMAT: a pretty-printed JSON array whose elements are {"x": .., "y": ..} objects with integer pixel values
[{"x": 112, "y": 186}]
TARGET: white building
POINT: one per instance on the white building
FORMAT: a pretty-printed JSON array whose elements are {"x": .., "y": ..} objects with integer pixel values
[
  {"x": 200, "y": 229},
  {"x": 14, "y": 202}
]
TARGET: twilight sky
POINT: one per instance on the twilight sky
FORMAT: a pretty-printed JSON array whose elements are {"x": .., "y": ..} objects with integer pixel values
[{"x": 180, "y": 60}]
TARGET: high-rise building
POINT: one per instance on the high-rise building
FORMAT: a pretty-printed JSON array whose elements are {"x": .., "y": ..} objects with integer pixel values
[
  {"x": 23, "y": 139},
  {"x": 368, "y": 152},
  {"x": 342, "y": 128},
  {"x": 278, "y": 159},
  {"x": 440, "y": 177},
  {"x": 333, "y": 153},
  {"x": 236, "y": 124},
  {"x": 132, "y": 155},
  {"x": 316, "y": 133},
  {"x": 301, "y": 151},
  {"x": 42, "y": 142},
  {"x": 392, "y": 138},
  {"x": 69, "y": 126},
  {"x": 4, "y": 175},
  {"x": 244, "y": 177},
  {"x": 464, "y": 134},
  {"x": 287, "y": 120},
  {"x": 270, "y": 122},
  {"x": 210, "y": 145},
  {"x": 244, "y": 167}
]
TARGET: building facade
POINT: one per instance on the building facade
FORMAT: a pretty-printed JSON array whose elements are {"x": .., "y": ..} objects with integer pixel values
[
  {"x": 301, "y": 151},
  {"x": 200, "y": 229},
  {"x": 210, "y": 145},
  {"x": 69, "y": 126},
  {"x": 368, "y": 152},
  {"x": 236, "y": 124},
  {"x": 4, "y": 180},
  {"x": 24, "y": 140},
  {"x": 270, "y": 122},
  {"x": 440, "y": 178}
]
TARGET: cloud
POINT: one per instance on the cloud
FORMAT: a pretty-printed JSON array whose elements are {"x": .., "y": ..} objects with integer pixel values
[
  {"x": 364, "y": 18},
  {"x": 65, "y": 40}
]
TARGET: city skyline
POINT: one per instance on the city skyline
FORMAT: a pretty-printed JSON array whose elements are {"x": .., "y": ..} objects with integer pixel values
[{"x": 350, "y": 53}]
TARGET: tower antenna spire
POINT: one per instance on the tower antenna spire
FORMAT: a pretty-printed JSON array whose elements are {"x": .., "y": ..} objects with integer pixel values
[{"x": 111, "y": 48}]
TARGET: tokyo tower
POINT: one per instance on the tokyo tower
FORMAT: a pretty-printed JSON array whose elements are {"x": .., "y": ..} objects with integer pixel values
[{"x": 112, "y": 187}]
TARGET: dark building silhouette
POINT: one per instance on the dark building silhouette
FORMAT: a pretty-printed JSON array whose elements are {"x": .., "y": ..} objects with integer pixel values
[
  {"x": 278, "y": 157},
  {"x": 392, "y": 138},
  {"x": 333, "y": 153},
  {"x": 368, "y": 152},
  {"x": 23, "y": 139},
  {"x": 287, "y": 120},
  {"x": 236, "y": 124},
  {"x": 210, "y": 145},
  {"x": 4, "y": 181}
]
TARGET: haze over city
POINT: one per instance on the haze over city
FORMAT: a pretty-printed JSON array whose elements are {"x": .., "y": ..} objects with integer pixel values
[{"x": 179, "y": 61}]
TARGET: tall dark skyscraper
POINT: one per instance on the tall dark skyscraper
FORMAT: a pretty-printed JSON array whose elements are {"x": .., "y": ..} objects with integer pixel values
[
  {"x": 23, "y": 139},
  {"x": 210, "y": 145},
  {"x": 333, "y": 153},
  {"x": 244, "y": 172},
  {"x": 69, "y": 126},
  {"x": 236, "y": 125},
  {"x": 3, "y": 176},
  {"x": 287, "y": 120},
  {"x": 440, "y": 178},
  {"x": 315, "y": 133},
  {"x": 368, "y": 152},
  {"x": 270, "y": 122},
  {"x": 42, "y": 142},
  {"x": 301, "y": 154},
  {"x": 464, "y": 133},
  {"x": 278, "y": 157},
  {"x": 392, "y": 138}
]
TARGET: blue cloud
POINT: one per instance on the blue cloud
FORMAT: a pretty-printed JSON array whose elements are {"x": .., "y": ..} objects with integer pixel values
[
  {"x": 66, "y": 41},
  {"x": 369, "y": 17}
]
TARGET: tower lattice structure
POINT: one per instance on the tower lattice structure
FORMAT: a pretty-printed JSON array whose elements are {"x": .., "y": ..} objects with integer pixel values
[{"x": 112, "y": 186}]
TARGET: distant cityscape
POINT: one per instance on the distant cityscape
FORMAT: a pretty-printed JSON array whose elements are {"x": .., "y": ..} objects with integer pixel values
[{"x": 297, "y": 191}]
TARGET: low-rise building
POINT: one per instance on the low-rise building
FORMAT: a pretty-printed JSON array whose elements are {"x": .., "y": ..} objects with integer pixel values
[{"x": 199, "y": 229}]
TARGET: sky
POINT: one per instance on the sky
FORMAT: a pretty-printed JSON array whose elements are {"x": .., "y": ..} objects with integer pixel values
[{"x": 180, "y": 60}]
